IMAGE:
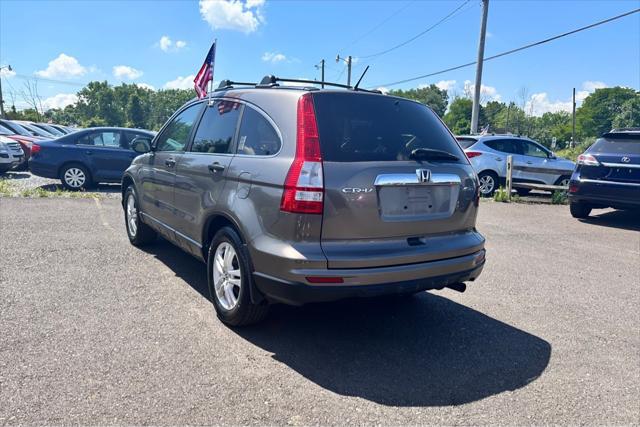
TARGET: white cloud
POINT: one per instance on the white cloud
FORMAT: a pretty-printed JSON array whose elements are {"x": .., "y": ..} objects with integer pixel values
[
  {"x": 126, "y": 72},
  {"x": 181, "y": 82},
  {"x": 273, "y": 57},
  {"x": 6, "y": 73},
  {"x": 60, "y": 100},
  {"x": 539, "y": 103},
  {"x": 167, "y": 45},
  {"x": 64, "y": 66},
  {"x": 591, "y": 86},
  {"x": 446, "y": 84},
  {"x": 233, "y": 14},
  {"x": 487, "y": 93},
  {"x": 146, "y": 86}
]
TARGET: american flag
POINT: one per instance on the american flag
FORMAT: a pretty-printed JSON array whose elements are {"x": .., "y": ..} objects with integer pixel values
[{"x": 205, "y": 75}]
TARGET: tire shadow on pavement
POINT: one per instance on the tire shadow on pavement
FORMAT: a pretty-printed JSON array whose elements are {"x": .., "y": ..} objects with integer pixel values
[
  {"x": 626, "y": 220},
  {"x": 424, "y": 350},
  {"x": 421, "y": 351}
]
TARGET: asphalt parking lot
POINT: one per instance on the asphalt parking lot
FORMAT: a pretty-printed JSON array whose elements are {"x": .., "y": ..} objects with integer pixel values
[{"x": 95, "y": 331}]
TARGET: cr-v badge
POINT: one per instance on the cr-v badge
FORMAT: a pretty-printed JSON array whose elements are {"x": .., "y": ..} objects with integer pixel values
[{"x": 355, "y": 190}]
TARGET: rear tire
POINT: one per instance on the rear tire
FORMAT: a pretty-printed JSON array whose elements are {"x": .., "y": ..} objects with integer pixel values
[
  {"x": 579, "y": 210},
  {"x": 563, "y": 180},
  {"x": 139, "y": 233},
  {"x": 229, "y": 275},
  {"x": 75, "y": 177},
  {"x": 488, "y": 183}
]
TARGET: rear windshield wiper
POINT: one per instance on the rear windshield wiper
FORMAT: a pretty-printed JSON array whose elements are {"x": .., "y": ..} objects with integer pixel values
[{"x": 431, "y": 154}]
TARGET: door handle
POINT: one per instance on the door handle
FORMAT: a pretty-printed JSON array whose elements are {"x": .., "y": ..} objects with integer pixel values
[
  {"x": 88, "y": 152},
  {"x": 170, "y": 162},
  {"x": 499, "y": 159},
  {"x": 216, "y": 167},
  {"x": 529, "y": 162}
]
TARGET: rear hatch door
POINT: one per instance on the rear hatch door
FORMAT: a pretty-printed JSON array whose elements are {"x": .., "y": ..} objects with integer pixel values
[
  {"x": 398, "y": 188},
  {"x": 619, "y": 158}
]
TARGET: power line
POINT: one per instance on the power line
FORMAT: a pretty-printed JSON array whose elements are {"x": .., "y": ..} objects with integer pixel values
[
  {"x": 384, "y": 21},
  {"x": 46, "y": 79},
  {"x": 516, "y": 49},
  {"x": 419, "y": 34}
]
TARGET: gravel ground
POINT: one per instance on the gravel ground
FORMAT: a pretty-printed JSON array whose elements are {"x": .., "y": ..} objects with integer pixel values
[
  {"x": 24, "y": 180},
  {"x": 95, "y": 331}
]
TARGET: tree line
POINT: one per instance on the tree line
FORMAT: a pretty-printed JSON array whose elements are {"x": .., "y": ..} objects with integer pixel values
[{"x": 129, "y": 105}]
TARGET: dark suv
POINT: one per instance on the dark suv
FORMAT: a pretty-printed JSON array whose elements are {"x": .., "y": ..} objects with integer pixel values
[
  {"x": 607, "y": 174},
  {"x": 300, "y": 194}
]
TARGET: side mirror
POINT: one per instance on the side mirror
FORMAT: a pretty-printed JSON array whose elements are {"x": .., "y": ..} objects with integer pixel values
[
  {"x": 552, "y": 155},
  {"x": 141, "y": 145}
]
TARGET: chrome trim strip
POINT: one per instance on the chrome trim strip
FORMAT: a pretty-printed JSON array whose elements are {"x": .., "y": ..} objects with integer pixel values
[
  {"x": 620, "y": 165},
  {"x": 400, "y": 179},
  {"x": 189, "y": 239},
  {"x": 597, "y": 181}
]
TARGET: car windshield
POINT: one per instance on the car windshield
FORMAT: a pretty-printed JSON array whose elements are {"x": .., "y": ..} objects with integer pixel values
[
  {"x": 5, "y": 131},
  {"x": 50, "y": 129},
  {"x": 363, "y": 128},
  {"x": 17, "y": 128},
  {"x": 617, "y": 144},
  {"x": 36, "y": 131}
]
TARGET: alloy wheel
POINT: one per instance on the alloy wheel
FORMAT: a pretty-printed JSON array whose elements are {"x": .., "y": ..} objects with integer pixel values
[
  {"x": 132, "y": 216},
  {"x": 74, "y": 177},
  {"x": 487, "y": 184},
  {"x": 227, "y": 276}
]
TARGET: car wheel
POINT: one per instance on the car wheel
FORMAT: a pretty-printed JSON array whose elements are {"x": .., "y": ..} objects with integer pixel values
[
  {"x": 579, "y": 210},
  {"x": 75, "y": 177},
  {"x": 138, "y": 232},
  {"x": 229, "y": 276},
  {"x": 488, "y": 183},
  {"x": 563, "y": 181}
]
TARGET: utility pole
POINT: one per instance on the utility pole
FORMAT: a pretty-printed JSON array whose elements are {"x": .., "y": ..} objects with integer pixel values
[
  {"x": 573, "y": 121},
  {"x": 322, "y": 68},
  {"x": 348, "y": 62},
  {"x": 2, "y": 114},
  {"x": 476, "y": 95}
]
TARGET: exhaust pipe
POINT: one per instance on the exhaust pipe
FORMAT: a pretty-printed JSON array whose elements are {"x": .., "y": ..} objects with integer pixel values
[{"x": 460, "y": 287}]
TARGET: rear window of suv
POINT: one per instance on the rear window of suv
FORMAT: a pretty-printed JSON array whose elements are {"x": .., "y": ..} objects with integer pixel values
[
  {"x": 365, "y": 128},
  {"x": 617, "y": 144}
]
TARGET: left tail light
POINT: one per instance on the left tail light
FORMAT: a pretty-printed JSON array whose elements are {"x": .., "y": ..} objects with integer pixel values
[
  {"x": 588, "y": 160},
  {"x": 35, "y": 149},
  {"x": 472, "y": 154}
]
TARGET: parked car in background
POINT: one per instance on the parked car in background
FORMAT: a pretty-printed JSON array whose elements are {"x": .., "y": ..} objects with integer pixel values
[
  {"x": 51, "y": 129},
  {"x": 65, "y": 130},
  {"x": 607, "y": 174},
  {"x": 35, "y": 130},
  {"x": 87, "y": 157},
  {"x": 25, "y": 142},
  {"x": 298, "y": 195},
  {"x": 11, "y": 155},
  {"x": 533, "y": 163}
]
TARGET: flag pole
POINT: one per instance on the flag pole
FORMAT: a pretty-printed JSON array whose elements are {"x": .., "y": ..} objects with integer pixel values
[{"x": 215, "y": 47}]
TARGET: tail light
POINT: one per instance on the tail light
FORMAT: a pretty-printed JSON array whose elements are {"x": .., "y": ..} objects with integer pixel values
[
  {"x": 35, "y": 149},
  {"x": 304, "y": 185},
  {"x": 472, "y": 154},
  {"x": 588, "y": 160},
  {"x": 573, "y": 188}
]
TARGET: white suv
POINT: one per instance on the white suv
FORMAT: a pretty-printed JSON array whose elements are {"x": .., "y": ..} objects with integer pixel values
[{"x": 11, "y": 154}]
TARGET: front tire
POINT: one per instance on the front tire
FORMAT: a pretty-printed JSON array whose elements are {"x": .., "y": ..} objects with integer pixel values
[
  {"x": 488, "y": 183},
  {"x": 229, "y": 277},
  {"x": 75, "y": 177},
  {"x": 139, "y": 233},
  {"x": 579, "y": 210}
]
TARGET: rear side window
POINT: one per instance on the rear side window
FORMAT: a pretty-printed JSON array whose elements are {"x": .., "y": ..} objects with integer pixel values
[
  {"x": 257, "y": 136},
  {"x": 466, "y": 142},
  {"x": 217, "y": 128},
  {"x": 362, "y": 127},
  {"x": 618, "y": 144},
  {"x": 505, "y": 145}
]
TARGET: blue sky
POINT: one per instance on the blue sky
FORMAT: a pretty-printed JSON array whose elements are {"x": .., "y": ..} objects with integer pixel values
[{"x": 163, "y": 43}]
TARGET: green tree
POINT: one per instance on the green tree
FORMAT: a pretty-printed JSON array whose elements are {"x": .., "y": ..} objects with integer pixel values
[
  {"x": 430, "y": 95},
  {"x": 629, "y": 115},
  {"x": 552, "y": 125},
  {"x": 492, "y": 112},
  {"x": 598, "y": 111},
  {"x": 135, "y": 112},
  {"x": 458, "y": 117}
]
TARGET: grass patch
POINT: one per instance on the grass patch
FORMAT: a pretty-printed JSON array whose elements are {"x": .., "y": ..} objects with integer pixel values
[
  {"x": 6, "y": 188},
  {"x": 501, "y": 195},
  {"x": 559, "y": 198},
  {"x": 58, "y": 192}
]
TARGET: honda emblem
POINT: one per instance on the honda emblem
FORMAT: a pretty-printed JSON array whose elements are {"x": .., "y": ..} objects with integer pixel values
[{"x": 424, "y": 175}]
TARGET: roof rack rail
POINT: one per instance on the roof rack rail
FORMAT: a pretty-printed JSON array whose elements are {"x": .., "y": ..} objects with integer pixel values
[
  {"x": 228, "y": 84},
  {"x": 272, "y": 81}
]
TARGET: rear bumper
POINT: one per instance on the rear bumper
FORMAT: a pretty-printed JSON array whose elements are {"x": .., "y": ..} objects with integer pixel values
[
  {"x": 605, "y": 193},
  {"x": 369, "y": 282},
  {"x": 43, "y": 169}
]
